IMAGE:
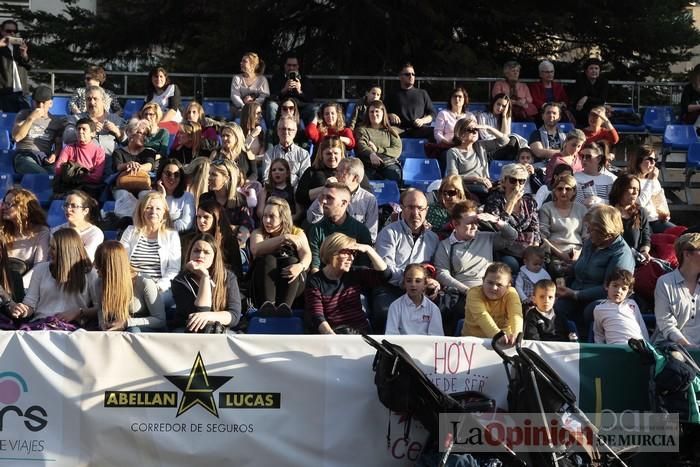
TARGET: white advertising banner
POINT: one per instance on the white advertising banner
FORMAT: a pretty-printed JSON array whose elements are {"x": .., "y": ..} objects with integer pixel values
[{"x": 112, "y": 399}]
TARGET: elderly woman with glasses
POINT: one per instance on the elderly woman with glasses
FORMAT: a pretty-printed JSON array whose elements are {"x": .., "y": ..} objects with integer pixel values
[
  {"x": 603, "y": 252},
  {"x": 332, "y": 295},
  {"x": 519, "y": 93},
  {"x": 594, "y": 183},
  {"x": 652, "y": 197},
  {"x": 519, "y": 209},
  {"x": 470, "y": 157},
  {"x": 561, "y": 223},
  {"x": 158, "y": 138},
  {"x": 677, "y": 296}
]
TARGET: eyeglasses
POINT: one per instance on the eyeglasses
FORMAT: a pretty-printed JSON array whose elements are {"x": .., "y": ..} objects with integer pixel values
[
  {"x": 415, "y": 208},
  {"x": 650, "y": 159},
  {"x": 471, "y": 130},
  {"x": 450, "y": 193},
  {"x": 564, "y": 188},
  {"x": 149, "y": 114},
  {"x": 10, "y": 31},
  {"x": 348, "y": 252},
  {"x": 408, "y": 74},
  {"x": 588, "y": 156},
  {"x": 170, "y": 174},
  {"x": 67, "y": 206},
  {"x": 519, "y": 181},
  {"x": 288, "y": 107}
]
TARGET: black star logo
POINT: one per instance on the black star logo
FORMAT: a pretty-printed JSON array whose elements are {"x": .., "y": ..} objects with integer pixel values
[{"x": 198, "y": 388}]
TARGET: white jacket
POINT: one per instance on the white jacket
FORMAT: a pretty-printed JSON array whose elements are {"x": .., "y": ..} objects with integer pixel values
[{"x": 169, "y": 251}]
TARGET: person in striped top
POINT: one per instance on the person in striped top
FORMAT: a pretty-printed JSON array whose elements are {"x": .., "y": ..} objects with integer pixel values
[
  {"x": 332, "y": 295},
  {"x": 152, "y": 244}
]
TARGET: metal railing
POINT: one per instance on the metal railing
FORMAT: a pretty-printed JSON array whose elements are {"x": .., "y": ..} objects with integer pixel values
[{"x": 344, "y": 88}]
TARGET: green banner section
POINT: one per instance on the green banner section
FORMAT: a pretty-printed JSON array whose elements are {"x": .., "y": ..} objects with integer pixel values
[{"x": 613, "y": 378}]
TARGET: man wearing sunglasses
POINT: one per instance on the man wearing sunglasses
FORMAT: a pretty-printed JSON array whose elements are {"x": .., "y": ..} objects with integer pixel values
[
  {"x": 410, "y": 108},
  {"x": 14, "y": 63}
]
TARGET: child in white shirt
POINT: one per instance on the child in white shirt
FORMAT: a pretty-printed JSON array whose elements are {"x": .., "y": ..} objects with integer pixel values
[
  {"x": 413, "y": 312},
  {"x": 618, "y": 319},
  {"x": 530, "y": 273}
]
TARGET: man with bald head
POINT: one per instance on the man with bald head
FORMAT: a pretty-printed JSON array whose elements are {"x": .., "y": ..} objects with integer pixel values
[{"x": 401, "y": 243}]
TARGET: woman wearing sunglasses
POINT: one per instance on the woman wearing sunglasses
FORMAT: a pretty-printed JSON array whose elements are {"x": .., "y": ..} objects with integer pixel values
[
  {"x": 172, "y": 185},
  {"x": 642, "y": 163},
  {"x": 519, "y": 209},
  {"x": 469, "y": 158},
  {"x": 439, "y": 213},
  {"x": 594, "y": 183}
]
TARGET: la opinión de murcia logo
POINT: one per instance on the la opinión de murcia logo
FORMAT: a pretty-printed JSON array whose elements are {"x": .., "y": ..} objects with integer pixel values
[{"x": 198, "y": 389}]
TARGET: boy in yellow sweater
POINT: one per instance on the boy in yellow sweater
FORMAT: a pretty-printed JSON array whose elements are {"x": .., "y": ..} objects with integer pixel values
[{"x": 494, "y": 306}]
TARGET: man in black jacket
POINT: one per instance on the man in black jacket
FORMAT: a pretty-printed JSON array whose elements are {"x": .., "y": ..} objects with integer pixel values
[
  {"x": 14, "y": 63},
  {"x": 290, "y": 83}
]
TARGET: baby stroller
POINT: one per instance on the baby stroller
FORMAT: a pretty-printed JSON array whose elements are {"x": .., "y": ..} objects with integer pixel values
[
  {"x": 534, "y": 387},
  {"x": 674, "y": 384},
  {"x": 402, "y": 387}
]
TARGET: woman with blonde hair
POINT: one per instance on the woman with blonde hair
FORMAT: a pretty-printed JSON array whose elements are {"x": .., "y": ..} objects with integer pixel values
[
  {"x": 197, "y": 177},
  {"x": 24, "y": 231},
  {"x": 604, "y": 251},
  {"x": 206, "y": 293},
  {"x": 188, "y": 143},
  {"x": 224, "y": 182},
  {"x": 234, "y": 149},
  {"x": 194, "y": 112},
  {"x": 60, "y": 287},
  {"x": 250, "y": 85},
  {"x": 451, "y": 192},
  {"x": 282, "y": 256},
  {"x": 332, "y": 294},
  {"x": 124, "y": 300},
  {"x": 158, "y": 138},
  {"x": 152, "y": 244},
  {"x": 519, "y": 209}
]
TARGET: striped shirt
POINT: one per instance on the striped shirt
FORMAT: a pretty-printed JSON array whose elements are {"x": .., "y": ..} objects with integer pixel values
[{"x": 146, "y": 258}]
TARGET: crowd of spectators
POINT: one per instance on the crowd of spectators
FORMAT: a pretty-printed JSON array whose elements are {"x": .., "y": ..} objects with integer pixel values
[{"x": 216, "y": 218}]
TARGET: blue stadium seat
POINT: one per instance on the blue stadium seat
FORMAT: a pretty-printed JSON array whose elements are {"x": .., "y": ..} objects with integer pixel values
[
  {"x": 349, "y": 109},
  {"x": 412, "y": 147},
  {"x": 56, "y": 215},
  {"x": 111, "y": 235},
  {"x": 5, "y": 139},
  {"x": 276, "y": 325},
  {"x": 6, "y": 183},
  {"x": 495, "y": 168},
  {"x": 419, "y": 173},
  {"x": 626, "y": 128},
  {"x": 566, "y": 127},
  {"x": 679, "y": 137},
  {"x": 440, "y": 106},
  {"x": 131, "y": 107},
  {"x": 7, "y": 162},
  {"x": 108, "y": 206},
  {"x": 217, "y": 108},
  {"x": 523, "y": 129},
  {"x": 656, "y": 119},
  {"x": 475, "y": 107},
  {"x": 458, "y": 329},
  {"x": 184, "y": 103},
  {"x": 7, "y": 120},
  {"x": 386, "y": 191},
  {"x": 60, "y": 105},
  {"x": 41, "y": 185}
]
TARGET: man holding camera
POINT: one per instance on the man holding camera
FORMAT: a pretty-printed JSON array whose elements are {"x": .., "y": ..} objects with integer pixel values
[
  {"x": 290, "y": 84},
  {"x": 14, "y": 63}
]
